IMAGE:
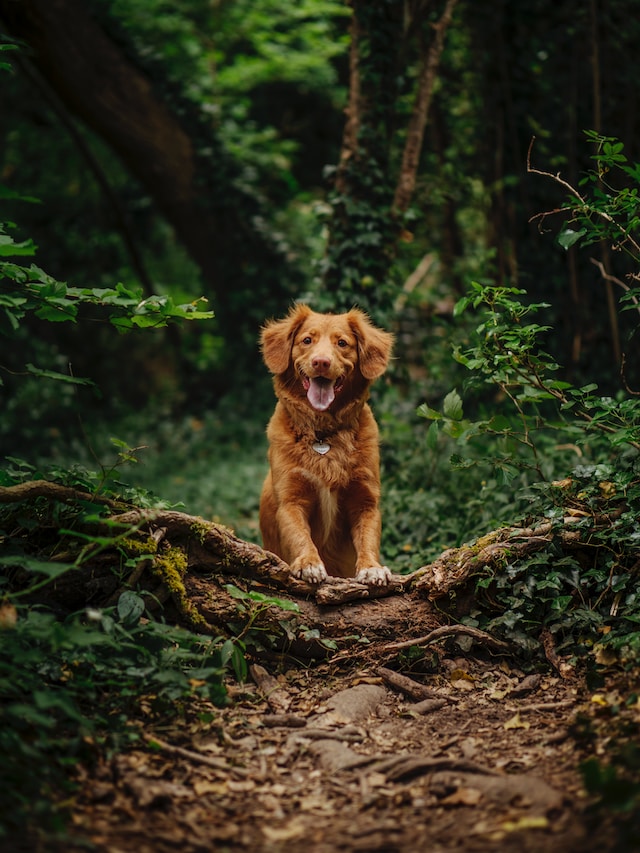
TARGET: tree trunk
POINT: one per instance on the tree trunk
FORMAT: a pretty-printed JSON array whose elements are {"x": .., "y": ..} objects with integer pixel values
[
  {"x": 167, "y": 146},
  {"x": 371, "y": 193},
  {"x": 418, "y": 121}
]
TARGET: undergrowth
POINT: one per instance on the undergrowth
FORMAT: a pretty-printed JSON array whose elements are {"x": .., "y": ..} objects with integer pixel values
[{"x": 76, "y": 684}]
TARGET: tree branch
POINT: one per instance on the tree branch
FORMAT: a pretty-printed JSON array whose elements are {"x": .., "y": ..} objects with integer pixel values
[
  {"x": 53, "y": 491},
  {"x": 452, "y": 631}
]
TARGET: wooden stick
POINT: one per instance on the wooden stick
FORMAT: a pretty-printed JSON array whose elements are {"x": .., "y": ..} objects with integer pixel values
[
  {"x": 190, "y": 755},
  {"x": 452, "y": 631}
]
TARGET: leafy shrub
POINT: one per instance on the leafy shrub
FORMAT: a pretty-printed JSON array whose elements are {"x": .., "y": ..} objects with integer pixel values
[
  {"x": 67, "y": 686},
  {"x": 585, "y": 596}
]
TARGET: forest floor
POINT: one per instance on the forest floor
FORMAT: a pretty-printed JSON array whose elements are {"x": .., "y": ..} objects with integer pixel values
[{"x": 331, "y": 757}]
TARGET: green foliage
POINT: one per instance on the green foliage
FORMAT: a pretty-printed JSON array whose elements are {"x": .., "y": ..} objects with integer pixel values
[
  {"x": 508, "y": 355},
  {"x": 68, "y": 686},
  {"x": 587, "y": 597},
  {"x": 267, "y": 42},
  {"x": 615, "y": 792},
  {"x": 612, "y": 780},
  {"x": 234, "y": 60},
  {"x": 606, "y": 211},
  {"x": 579, "y": 597},
  {"x": 212, "y": 465},
  {"x": 364, "y": 228},
  {"x": 24, "y": 290}
]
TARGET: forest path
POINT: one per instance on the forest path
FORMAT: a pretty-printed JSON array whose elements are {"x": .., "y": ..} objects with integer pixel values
[{"x": 327, "y": 758}]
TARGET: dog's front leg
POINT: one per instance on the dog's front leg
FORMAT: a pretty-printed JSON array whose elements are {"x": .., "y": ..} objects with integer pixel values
[
  {"x": 366, "y": 528},
  {"x": 293, "y": 520}
]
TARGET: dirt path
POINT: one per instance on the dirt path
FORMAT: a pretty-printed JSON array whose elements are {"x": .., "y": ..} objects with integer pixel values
[{"x": 325, "y": 759}]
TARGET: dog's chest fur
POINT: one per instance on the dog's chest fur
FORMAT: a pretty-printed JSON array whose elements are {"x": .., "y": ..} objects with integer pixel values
[{"x": 333, "y": 469}]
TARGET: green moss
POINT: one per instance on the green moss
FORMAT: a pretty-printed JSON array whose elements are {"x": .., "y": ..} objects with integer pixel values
[
  {"x": 200, "y": 529},
  {"x": 171, "y": 566},
  {"x": 138, "y": 548}
]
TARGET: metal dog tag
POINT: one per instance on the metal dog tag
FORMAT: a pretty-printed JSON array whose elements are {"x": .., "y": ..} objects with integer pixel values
[{"x": 321, "y": 447}]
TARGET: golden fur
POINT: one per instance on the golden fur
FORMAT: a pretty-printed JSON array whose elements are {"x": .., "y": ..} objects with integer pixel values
[{"x": 319, "y": 510}]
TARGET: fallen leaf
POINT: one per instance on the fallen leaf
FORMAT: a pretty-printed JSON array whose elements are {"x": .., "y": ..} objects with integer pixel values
[
  {"x": 206, "y": 787},
  {"x": 460, "y": 675},
  {"x": 463, "y": 797},
  {"x": 294, "y": 829},
  {"x": 8, "y": 616},
  {"x": 532, "y": 822},
  {"x": 498, "y": 694},
  {"x": 516, "y": 723},
  {"x": 604, "y": 655}
]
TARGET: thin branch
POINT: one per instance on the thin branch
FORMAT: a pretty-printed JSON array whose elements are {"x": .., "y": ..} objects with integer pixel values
[
  {"x": 574, "y": 192},
  {"x": 418, "y": 121},
  {"x": 623, "y": 376},
  {"x": 402, "y": 683},
  {"x": 608, "y": 277},
  {"x": 197, "y": 757},
  {"x": 555, "y": 178},
  {"x": 452, "y": 631}
]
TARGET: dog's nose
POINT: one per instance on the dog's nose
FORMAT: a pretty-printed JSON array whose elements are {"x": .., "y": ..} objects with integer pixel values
[{"x": 321, "y": 362}]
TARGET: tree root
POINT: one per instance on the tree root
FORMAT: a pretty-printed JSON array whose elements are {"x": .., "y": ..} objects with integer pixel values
[
  {"x": 52, "y": 491},
  {"x": 456, "y": 566},
  {"x": 452, "y": 631},
  {"x": 199, "y": 565}
]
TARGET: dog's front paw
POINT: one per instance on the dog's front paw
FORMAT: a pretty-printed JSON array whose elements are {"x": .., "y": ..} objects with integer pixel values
[
  {"x": 375, "y": 576},
  {"x": 310, "y": 572}
]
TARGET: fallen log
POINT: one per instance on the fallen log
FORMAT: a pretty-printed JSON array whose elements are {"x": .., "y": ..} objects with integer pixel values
[
  {"x": 199, "y": 572},
  {"x": 455, "y": 567}
]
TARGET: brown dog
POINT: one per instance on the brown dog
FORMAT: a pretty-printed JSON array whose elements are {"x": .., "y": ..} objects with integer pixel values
[{"x": 319, "y": 506}]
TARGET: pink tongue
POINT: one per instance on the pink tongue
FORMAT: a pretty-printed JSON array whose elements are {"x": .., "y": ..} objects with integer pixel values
[{"x": 321, "y": 393}]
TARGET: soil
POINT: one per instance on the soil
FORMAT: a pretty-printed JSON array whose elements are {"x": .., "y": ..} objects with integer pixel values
[
  {"x": 328, "y": 757},
  {"x": 382, "y": 746}
]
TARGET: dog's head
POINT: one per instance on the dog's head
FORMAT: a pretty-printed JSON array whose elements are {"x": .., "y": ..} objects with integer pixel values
[{"x": 320, "y": 355}]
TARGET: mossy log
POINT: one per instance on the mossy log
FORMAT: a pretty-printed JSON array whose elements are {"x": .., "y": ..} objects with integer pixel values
[
  {"x": 455, "y": 568},
  {"x": 198, "y": 572}
]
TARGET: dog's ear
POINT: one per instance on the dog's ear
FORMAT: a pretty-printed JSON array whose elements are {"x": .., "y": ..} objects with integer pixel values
[
  {"x": 276, "y": 338},
  {"x": 374, "y": 345}
]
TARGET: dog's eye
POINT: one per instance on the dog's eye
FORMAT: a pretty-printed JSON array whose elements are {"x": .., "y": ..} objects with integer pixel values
[
  {"x": 307, "y": 340},
  {"x": 342, "y": 343}
]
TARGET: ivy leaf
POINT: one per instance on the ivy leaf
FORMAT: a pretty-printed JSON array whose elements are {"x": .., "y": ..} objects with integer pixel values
[{"x": 130, "y": 608}]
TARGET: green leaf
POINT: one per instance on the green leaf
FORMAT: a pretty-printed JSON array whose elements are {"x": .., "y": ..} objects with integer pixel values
[
  {"x": 9, "y": 248},
  {"x": 461, "y": 306},
  {"x": 260, "y": 598},
  {"x": 58, "y": 311},
  {"x": 569, "y": 237},
  {"x": 432, "y": 436},
  {"x": 425, "y": 411},
  {"x": 40, "y": 567},
  {"x": 130, "y": 608},
  {"x": 452, "y": 406}
]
